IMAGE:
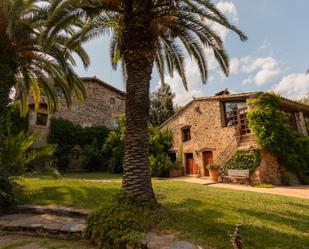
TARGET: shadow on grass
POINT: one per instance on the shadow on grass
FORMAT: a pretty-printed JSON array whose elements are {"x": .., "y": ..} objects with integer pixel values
[
  {"x": 83, "y": 196},
  {"x": 195, "y": 221}
]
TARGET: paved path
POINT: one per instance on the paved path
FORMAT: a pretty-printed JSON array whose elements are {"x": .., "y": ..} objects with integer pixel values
[{"x": 301, "y": 191}]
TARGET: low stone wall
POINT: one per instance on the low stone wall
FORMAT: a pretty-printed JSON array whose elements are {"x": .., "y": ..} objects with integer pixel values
[{"x": 270, "y": 171}]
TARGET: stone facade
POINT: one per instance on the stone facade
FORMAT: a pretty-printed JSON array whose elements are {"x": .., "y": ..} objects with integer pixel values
[
  {"x": 101, "y": 107},
  {"x": 211, "y": 139}
]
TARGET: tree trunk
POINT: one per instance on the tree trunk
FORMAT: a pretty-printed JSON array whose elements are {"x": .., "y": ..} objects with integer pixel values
[{"x": 138, "y": 57}]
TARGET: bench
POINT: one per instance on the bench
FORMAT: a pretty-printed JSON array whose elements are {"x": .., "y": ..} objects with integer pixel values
[{"x": 238, "y": 176}]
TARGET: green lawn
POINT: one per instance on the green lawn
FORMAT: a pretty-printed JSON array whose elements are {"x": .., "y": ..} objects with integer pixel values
[
  {"x": 18, "y": 242},
  {"x": 201, "y": 214}
]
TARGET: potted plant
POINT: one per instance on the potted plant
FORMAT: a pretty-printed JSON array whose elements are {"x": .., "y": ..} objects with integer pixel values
[{"x": 213, "y": 171}]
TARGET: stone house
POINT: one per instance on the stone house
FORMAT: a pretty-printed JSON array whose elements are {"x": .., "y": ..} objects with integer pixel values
[
  {"x": 210, "y": 129},
  {"x": 103, "y": 104}
]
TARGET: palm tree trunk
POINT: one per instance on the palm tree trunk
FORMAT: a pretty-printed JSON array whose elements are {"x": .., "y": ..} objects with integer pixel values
[{"x": 139, "y": 59}]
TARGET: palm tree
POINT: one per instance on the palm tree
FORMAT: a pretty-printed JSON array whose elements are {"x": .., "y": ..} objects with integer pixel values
[
  {"x": 29, "y": 62},
  {"x": 144, "y": 33}
]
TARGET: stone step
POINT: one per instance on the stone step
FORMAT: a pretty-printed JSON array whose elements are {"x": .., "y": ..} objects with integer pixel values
[
  {"x": 53, "y": 210},
  {"x": 46, "y": 225}
]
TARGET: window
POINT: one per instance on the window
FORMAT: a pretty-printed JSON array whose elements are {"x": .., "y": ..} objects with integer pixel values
[
  {"x": 186, "y": 135},
  {"x": 112, "y": 102},
  {"x": 288, "y": 118},
  {"x": 41, "y": 119},
  {"x": 231, "y": 109}
]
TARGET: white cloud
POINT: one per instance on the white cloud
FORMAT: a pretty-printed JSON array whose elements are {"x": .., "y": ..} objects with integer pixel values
[
  {"x": 293, "y": 86},
  {"x": 194, "y": 84},
  {"x": 234, "y": 65},
  {"x": 229, "y": 9},
  {"x": 264, "y": 68}
]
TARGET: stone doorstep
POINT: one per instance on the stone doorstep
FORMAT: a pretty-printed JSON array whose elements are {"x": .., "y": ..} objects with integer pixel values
[
  {"x": 58, "y": 211},
  {"x": 45, "y": 225}
]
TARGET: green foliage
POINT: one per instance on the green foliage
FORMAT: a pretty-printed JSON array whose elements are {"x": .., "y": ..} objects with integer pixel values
[
  {"x": 7, "y": 193},
  {"x": 113, "y": 148},
  {"x": 161, "y": 105},
  {"x": 16, "y": 123},
  {"x": 264, "y": 185},
  {"x": 92, "y": 157},
  {"x": 271, "y": 133},
  {"x": 67, "y": 134},
  {"x": 160, "y": 142},
  {"x": 213, "y": 166},
  {"x": 244, "y": 159},
  {"x": 118, "y": 222},
  {"x": 16, "y": 153}
]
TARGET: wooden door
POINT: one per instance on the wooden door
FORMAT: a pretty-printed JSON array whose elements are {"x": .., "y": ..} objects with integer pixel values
[
  {"x": 191, "y": 167},
  {"x": 207, "y": 159},
  {"x": 243, "y": 122}
]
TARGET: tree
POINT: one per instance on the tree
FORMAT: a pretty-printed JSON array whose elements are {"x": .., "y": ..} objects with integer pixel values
[
  {"x": 29, "y": 62},
  {"x": 161, "y": 105},
  {"x": 144, "y": 33}
]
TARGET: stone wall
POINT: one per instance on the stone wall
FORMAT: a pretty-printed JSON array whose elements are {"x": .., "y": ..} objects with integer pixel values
[
  {"x": 270, "y": 171},
  {"x": 208, "y": 131},
  {"x": 96, "y": 110}
]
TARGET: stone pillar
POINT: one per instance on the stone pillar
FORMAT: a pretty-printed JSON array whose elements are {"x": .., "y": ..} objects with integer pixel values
[{"x": 300, "y": 122}]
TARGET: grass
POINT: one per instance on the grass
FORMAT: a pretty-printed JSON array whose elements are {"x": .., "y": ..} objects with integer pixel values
[
  {"x": 201, "y": 214},
  {"x": 94, "y": 176},
  {"x": 17, "y": 242}
]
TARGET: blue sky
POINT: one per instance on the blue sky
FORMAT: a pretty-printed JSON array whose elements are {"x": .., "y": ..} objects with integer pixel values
[{"x": 274, "y": 58}]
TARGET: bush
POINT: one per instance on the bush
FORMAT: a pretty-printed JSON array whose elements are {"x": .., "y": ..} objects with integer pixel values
[
  {"x": 159, "y": 144},
  {"x": 92, "y": 157},
  {"x": 7, "y": 193},
  {"x": 161, "y": 165},
  {"x": 244, "y": 159},
  {"x": 118, "y": 222}
]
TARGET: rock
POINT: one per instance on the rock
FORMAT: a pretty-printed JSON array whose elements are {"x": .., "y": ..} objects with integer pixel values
[
  {"x": 155, "y": 241},
  {"x": 182, "y": 245}
]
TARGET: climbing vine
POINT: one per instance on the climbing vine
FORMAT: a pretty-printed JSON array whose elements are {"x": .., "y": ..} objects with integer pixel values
[{"x": 272, "y": 134}]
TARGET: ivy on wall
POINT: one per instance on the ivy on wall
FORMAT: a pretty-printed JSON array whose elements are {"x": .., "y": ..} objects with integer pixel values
[
  {"x": 244, "y": 159},
  {"x": 67, "y": 134},
  {"x": 271, "y": 133}
]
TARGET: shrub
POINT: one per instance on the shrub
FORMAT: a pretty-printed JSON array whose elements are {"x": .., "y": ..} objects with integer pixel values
[
  {"x": 244, "y": 159},
  {"x": 7, "y": 193},
  {"x": 118, "y": 222},
  {"x": 213, "y": 166},
  {"x": 92, "y": 157},
  {"x": 161, "y": 165}
]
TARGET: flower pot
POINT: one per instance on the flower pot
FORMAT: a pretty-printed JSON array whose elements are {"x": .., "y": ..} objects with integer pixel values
[
  {"x": 176, "y": 173},
  {"x": 214, "y": 175}
]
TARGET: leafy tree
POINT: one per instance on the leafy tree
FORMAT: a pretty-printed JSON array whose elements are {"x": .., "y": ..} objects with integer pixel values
[
  {"x": 144, "y": 33},
  {"x": 161, "y": 105},
  {"x": 31, "y": 62}
]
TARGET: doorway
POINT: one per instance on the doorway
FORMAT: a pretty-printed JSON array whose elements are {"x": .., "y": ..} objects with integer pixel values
[
  {"x": 191, "y": 168},
  {"x": 207, "y": 159}
]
